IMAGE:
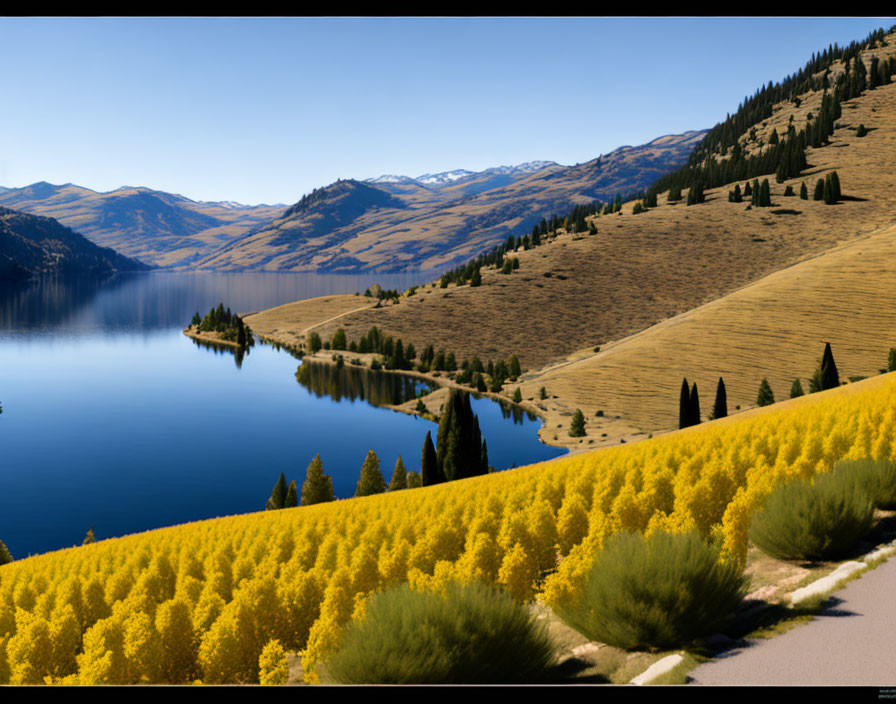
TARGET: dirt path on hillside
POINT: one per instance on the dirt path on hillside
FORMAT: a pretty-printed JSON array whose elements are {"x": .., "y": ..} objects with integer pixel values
[{"x": 851, "y": 642}]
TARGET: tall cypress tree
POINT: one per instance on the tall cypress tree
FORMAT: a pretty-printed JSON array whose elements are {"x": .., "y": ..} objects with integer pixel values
[
  {"x": 684, "y": 405},
  {"x": 720, "y": 407},
  {"x": 694, "y": 405},
  {"x": 830, "y": 379},
  {"x": 429, "y": 466},
  {"x": 292, "y": 496}
]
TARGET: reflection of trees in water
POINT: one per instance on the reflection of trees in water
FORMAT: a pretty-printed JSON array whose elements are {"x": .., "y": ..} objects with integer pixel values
[
  {"x": 510, "y": 410},
  {"x": 50, "y": 301},
  {"x": 238, "y": 352},
  {"x": 350, "y": 382}
]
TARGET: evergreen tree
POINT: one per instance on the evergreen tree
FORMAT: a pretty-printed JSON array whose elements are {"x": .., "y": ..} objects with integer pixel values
[
  {"x": 414, "y": 480},
  {"x": 861, "y": 131},
  {"x": 694, "y": 405},
  {"x": 577, "y": 425},
  {"x": 278, "y": 495},
  {"x": 459, "y": 439},
  {"x": 371, "y": 480},
  {"x": 819, "y": 190},
  {"x": 891, "y": 362},
  {"x": 89, "y": 538},
  {"x": 292, "y": 496},
  {"x": 483, "y": 459},
  {"x": 796, "y": 389},
  {"x": 429, "y": 466},
  {"x": 765, "y": 198},
  {"x": 684, "y": 405},
  {"x": 513, "y": 367},
  {"x": 339, "y": 341},
  {"x": 517, "y": 395},
  {"x": 830, "y": 379},
  {"x": 765, "y": 397},
  {"x": 476, "y": 279},
  {"x": 399, "y": 476},
  {"x": 804, "y": 192},
  {"x": 5, "y": 555},
  {"x": 720, "y": 407},
  {"x": 317, "y": 487}
]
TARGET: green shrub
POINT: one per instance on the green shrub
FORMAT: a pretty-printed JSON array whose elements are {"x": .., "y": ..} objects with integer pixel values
[
  {"x": 877, "y": 477},
  {"x": 657, "y": 592},
  {"x": 808, "y": 520},
  {"x": 471, "y": 634}
]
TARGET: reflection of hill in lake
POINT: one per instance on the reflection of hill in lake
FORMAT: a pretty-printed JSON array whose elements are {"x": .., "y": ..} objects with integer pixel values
[{"x": 350, "y": 382}]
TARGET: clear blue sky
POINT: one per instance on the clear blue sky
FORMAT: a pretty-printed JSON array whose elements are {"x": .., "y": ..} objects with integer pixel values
[{"x": 265, "y": 110}]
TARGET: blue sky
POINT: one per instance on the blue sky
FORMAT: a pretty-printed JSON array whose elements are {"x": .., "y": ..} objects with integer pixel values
[{"x": 266, "y": 109}]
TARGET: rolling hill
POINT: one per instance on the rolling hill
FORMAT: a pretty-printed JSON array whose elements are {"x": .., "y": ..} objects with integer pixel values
[{"x": 31, "y": 246}]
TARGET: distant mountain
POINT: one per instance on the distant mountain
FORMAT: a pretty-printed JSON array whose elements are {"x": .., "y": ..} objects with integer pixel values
[
  {"x": 394, "y": 223},
  {"x": 160, "y": 228},
  {"x": 32, "y": 245}
]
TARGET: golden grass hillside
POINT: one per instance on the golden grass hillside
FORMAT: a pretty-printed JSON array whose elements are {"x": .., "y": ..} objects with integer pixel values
[
  {"x": 203, "y": 600},
  {"x": 582, "y": 291}
]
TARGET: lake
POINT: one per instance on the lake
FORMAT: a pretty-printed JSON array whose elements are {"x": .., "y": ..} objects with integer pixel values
[{"x": 112, "y": 418}]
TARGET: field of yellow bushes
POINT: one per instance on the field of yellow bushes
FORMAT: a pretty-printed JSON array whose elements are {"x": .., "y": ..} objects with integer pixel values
[{"x": 201, "y": 601}]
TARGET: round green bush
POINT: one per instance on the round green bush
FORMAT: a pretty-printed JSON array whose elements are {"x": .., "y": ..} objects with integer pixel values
[
  {"x": 813, "y": 520},
  {"x": 471, "y": 634},
  {"x": 877, "y": 477},
  {"x": 659, "y": 592}
]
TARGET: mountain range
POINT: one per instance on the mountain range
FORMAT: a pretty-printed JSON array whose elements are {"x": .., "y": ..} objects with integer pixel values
[{"x": 388, "y": 223}]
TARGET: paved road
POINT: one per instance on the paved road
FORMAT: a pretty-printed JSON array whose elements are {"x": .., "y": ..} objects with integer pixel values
[{"x": 851, "y": 643}]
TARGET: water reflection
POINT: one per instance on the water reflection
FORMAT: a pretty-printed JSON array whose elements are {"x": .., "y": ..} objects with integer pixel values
[
  {"x": 359, "y": 383},
  {"x": 162, "y": 300},
  {"x": 239, "y": 353}
]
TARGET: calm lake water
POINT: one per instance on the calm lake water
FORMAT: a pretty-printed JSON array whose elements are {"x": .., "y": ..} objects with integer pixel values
[{"x": 112, "y": 418}]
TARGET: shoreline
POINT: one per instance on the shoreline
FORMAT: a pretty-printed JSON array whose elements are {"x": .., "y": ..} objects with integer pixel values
[
  {"x": 208, "y": 339},
  {"x": 554, "y": 412}
]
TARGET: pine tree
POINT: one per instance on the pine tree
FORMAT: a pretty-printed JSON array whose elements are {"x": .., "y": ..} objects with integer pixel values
[
  {"x": 694, "y": 405},
  {"x": 371, "y": 480},
  {"x": 861, "y": 131},
  {"x": 292, "y": 496},
  {"x": 399, "y": 476},
  {"x": 513, "y": 367},
  {"x": 89, "y": 538},
  {"x": 684, "y": 405},
  {"x": 577, "y": 425},
  {"x": 819, "y": 190},
  {"x": 891, "y": 362},
  {"x": 765, "y": 397},
  {"x": 830, "y": 379},
  {"x": 278, "y": 495},
  {"x": 429, "y": 466},
  {"x": 804, "y": 192},
  {"x": 414, "y": 480},
  {"x": 796, "y": 389},
  {"x": 459, "y": 439},
  {"x": 720, "y": 407},
  {"x": 317, "y": 487},
  {"x": 517, "y": 395}
]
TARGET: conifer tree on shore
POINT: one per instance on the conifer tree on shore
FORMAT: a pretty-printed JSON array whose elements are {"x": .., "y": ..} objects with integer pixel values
[
  {"x": 317, "y": 487},
  {"x": 371, "y": 480},
  {"x": 399, "y": 476}
]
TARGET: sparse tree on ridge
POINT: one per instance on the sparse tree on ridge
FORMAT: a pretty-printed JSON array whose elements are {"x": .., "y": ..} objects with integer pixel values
[
  {"x": 765, "y": 396},
  {"x": 796, "y": 389}
]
